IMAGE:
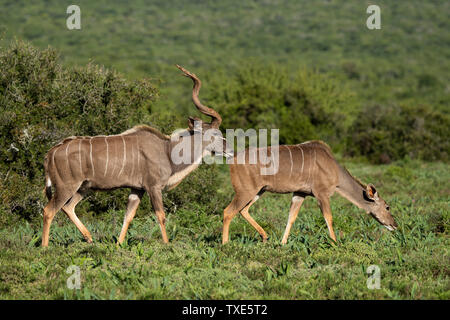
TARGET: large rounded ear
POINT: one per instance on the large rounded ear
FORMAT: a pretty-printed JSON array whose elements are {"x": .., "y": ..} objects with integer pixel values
[{"x": 371, "y": 193}]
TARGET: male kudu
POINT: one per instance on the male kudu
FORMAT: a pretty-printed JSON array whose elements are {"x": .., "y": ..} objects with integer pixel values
[
  {"x": 139, "y": 158},
  {"x": 307, "y": 169}
]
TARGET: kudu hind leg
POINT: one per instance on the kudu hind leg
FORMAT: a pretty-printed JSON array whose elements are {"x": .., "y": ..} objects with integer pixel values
[
  {"x": 49, "y": 213},
  {"x": 296, "y": 204},
  {"x": 236, "y": 205},
  {"x": 133, "y": 202},
  {"x": 53, "y": 206},
  {"x": 69, "y": 209}
]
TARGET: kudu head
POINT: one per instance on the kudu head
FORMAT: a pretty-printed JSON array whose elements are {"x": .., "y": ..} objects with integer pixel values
[
  {"x": 378, "y": 208},
  {"x": 208, "y": 133}
]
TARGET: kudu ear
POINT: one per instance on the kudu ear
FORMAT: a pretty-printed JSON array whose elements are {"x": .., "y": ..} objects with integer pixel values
[
  {"x": 194, "y": 123},
  {"x": 371, "y": 193},
  {"x": 191, "y": 123}
]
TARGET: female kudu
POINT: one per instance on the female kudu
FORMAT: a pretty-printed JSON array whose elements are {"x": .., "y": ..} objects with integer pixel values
[{"x": 307, "y": 169}]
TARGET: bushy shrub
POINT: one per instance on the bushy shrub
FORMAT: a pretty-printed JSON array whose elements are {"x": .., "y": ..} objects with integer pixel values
[
  {"x": 386, "y": 133},
  {"x": 308, "y": 105},
  {"x": 303, "y": 104}
]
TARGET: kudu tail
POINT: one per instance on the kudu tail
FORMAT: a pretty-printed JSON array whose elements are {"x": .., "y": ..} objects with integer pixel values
[{"x": 48, "y": 183}]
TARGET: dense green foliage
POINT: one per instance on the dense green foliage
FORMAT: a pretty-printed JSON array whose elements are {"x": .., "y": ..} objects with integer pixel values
[
  {"x": 302, "y": 104},
  {"x": 307, "y": 105},
  {"x": 383, "y": 133},
  {"x": 413, "y": 261}
]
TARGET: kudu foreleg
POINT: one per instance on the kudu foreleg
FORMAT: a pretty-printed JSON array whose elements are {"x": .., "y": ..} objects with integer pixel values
[
  {"x": 156, "y": 199},
  {"x": 133, "y": 202},
  {"x": 296, "y": 204}
]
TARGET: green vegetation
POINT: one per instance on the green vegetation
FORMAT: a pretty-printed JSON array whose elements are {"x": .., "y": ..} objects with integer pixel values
[
  {"x": 406, "y": 60},
  {"x": 304, "y": 105},
  {"x": 383, "y": 133},
  {"x": 311, "y": 69}
]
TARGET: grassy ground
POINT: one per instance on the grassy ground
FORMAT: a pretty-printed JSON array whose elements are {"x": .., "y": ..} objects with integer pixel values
[{"x": 413, "y": 261}]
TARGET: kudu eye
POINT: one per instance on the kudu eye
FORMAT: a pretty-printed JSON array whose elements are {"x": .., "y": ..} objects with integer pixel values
[{"x": 387, "y": 208}]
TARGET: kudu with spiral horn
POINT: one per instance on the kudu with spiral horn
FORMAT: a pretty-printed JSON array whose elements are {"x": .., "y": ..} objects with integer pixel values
[{"x": 139, "y": 158}]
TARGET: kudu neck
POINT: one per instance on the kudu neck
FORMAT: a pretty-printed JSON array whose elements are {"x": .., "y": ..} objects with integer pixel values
[
  {"x": 351, "y": 189},
  {"x": 185, "y": 152}
]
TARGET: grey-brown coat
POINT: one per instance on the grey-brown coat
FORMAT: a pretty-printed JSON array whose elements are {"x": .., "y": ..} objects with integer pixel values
[{"x": 307, "y": 169}]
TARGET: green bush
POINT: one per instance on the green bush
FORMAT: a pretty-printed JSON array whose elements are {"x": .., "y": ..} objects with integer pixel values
[
  {"x": 308, "y": 105},
  {"x": 303, "y": 104},
  {"x": 386, "y": 133}
]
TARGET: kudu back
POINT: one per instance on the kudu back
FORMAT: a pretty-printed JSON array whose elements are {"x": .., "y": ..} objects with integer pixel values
[
  {"x": 139, "y": 158},
  {"x": 307, "y": 169}
]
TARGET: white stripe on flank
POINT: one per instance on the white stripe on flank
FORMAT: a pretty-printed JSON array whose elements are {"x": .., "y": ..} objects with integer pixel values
[
  {"x": 53, "y": 156},
  {"x": 303, "y": 158},
  {"x": 67, "y": 154},
  {"x": 114, "y": 159},
  {"x": 290, "y": 155},
  {"x": 138, "y": 153},
  {"x": 309, "y": 169},
  {"x": 90, "y": 155},
  {"x": 315, "y": 162},
  {"x": 107, "y": 156},
  {"x": 132, "y": 161},
  {"x": 124, "y": 156},
  {"x": 79, "y": 153}
]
